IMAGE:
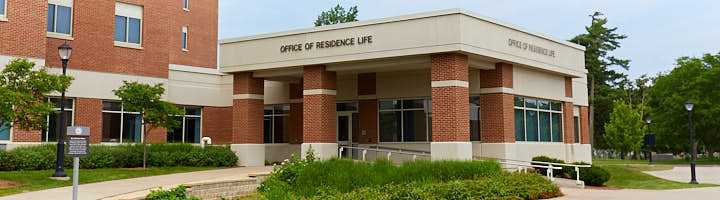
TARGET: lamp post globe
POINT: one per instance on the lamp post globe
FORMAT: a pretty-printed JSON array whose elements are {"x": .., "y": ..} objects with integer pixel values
[
  {"x": 64, "y": 51},
  {"x": 693, "y": 147}
]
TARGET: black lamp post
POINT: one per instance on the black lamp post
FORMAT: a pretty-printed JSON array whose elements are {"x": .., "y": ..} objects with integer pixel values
[
  {"x": 649, "y": 144},
  {"x": 689, "y": 107},
  {"x": 64, "y": 51}
]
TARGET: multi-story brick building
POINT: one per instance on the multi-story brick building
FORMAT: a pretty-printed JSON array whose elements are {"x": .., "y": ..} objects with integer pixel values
[{"x": 173, "y": 42}]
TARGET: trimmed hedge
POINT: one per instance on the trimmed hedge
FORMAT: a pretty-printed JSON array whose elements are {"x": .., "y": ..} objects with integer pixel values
[{"x": 42, "y": 157}]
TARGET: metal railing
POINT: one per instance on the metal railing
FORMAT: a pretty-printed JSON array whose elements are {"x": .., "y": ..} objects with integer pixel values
[
  {"x": 546, "y": 165},
  {"x": 388, "y": 153}
]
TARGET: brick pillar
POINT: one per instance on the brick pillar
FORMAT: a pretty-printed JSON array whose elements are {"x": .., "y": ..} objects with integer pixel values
[
  {"x": 319, "y": 112},
  {"x": 88, "y": 112},
  {"x": 450, "y": 106},
  {"x": 368, "y": 109},
  {"x": 217, "y": 124},
  {"x": 26, "y": 136},
  {"x": 568, "y": 123},
  {"x": 497, "y": 118},
  {"x": 247, "y": 125},
  {"x": 568, "y": 87},
  {"x": 157, "y": 136},
  {"x": 295, "y": 135},
  {"x": 584, "y": 125}
]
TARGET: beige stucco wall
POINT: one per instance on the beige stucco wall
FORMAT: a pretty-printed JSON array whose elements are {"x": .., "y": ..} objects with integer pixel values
[
  {"x": 403, "y": 84},
  {"x": 527, "y": 150},
  {"x": 192, "y": 88},
  {"x": 277, "y": 92},
  {"x": 580, "y": 91},
  {"x": 534, "y": 83}
]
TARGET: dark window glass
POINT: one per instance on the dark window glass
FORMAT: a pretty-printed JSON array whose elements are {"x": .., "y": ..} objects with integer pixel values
[
  {"x": 390, "y": 126},
  {"x": 415, "y": 103},
  {"x": 557, "y": 106},
  {"x": 267, "y": 129},
  {"x": 531, "y": 125},
  {"x": 192, "y": 130},
  {"x": 281, "y": 109},
  {"x": 389, "y": 105},
  {"x": 577, "y": 129},
  {"x": 191, "y": 110},
  {"x": 134, "y": 30},
  {"x": 414, "y": 124},
  {"x": 186, "y": 4},
  {"x": 474, "y": 101},
  {"x": 343, "y": 128},
  {"x": 120, "y": 28},
  {"x": 52, "y": 128},
  {"x": 347, "y": 106},
  {"x": 4, "y": 126},
  {"x": 268, "y": 110},
  {"x": 279, "y": 129},
  {"x": 50, "y": 18},
  {"x": 56, "y": 103},
  {"x": 64, "y": 19},
  {"x": 543, "y": 104},
  {"x": 175, "y": 134},
  {"x": 544, "y": 126},
  {"x": 519, "y": 101},
  {"x": 474, "y": 122},
  {"x": 557, "y": 132},
  {"x": 111, "y": 127},
  {"x": 519, "y": 125},
  {"x": 112, "y": 106},
  {"x": 132, "y": 128},
  {"x": 530, "y": 103},
  {"x": 184, "y": 40}
]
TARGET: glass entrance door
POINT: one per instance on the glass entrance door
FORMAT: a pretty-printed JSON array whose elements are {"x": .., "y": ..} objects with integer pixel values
[{"x": 345, "y": 124}]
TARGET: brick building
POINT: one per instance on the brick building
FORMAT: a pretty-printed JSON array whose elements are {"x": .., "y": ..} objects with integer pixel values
[
  {"x": 173, "y": 42},
  {"x": 452, "y": 83}
]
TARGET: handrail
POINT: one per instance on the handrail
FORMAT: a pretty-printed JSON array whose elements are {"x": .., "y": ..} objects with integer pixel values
[
  {"x": 389, "y": 152},
  {"x": 548, "y": 173},
  {"x": 550, "y": 164},
  {"x": 399, "y": 149}
]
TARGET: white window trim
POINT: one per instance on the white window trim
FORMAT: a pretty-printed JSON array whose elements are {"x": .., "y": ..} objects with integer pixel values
[
  {"x": 57, "y": 35},
  {"x": 538, "y": 110},
  {"x": 186, "y": 37},
  {"x": 129, "y": 11},
  {"x": 3, "y": 17},
  {"x": 272, "y": 116},
  {"x": 186, "y": 5}
]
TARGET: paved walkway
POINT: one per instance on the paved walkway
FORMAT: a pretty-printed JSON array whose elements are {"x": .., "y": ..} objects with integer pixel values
[
  {"x": 107, "y": 189},
  {"x": 687, "y": 194},
  {"x": 705, "y": 174}
]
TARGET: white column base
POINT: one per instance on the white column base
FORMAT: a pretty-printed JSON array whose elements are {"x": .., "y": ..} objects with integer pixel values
[
  {"x": 451, "y": 150},
  {"x": 249, "y": 155},
  {"x": 323, "y": 151}
]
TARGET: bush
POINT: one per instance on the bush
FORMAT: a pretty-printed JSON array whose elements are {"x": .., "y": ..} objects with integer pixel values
[
  {"x": 178, "y": 193},
  {"x": 594, "y": 175},
  {"x": 543, "y": 171},
  {"x": 120, "y": 156}
]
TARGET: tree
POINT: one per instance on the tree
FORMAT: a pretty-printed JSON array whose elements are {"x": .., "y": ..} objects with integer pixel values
[
  {"x": 696, "y": 79},
  {"x": 337, "y": 15},
  {"x": 625, "y": 130},
  {"x": 603, "y": 77},
  {"x": 147, "y": 100},
  {"x": 23, "y": 94}
]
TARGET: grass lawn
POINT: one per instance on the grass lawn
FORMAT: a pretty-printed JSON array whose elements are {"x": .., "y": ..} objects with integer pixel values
[
  {"x": 39, "y": 180},
  {"x": 628, "y": 174}
]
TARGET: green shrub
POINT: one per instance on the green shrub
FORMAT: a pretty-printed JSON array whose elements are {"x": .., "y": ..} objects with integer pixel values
[
  {"x": 595, "y": 176},
  {"x": 42, "y": 157},
  {"x": 178, "y": 193}
]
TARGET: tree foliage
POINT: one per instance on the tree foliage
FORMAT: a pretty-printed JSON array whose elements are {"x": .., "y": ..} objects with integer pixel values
[
  {"x": 625, "y": 130},
  {"x": 147, "y": 100},
  {"x": 603, "y": 70},
  {"x": 337, "y": 15},
  {"x": 696, "y": 79},
  {"x": 23, "y": 94}
]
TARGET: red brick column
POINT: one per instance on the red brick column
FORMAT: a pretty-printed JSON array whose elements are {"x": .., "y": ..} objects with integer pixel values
[
  {"x": 247, "y": 109},
  {"x": 449, "y": 76},
  {"x": 319, "y": 112},
  {"x": 497, "y": 118},
  {"x": 568, "y": 87},
  {"x": 568, "y": 123},
  {"x": 217, "y": 124},
  {"x": 295, "y": 135},
  {"x": 368, "y": 109},
  {"x": 26, "y": 136},
  {"x": 88, "y": 112},
  {"x": 584, "y": 125},
  {"x": 157, "y": 136}
]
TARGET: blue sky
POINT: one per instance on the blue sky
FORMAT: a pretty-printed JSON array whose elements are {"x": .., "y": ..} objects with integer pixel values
[{"x": 658, "y": 31}]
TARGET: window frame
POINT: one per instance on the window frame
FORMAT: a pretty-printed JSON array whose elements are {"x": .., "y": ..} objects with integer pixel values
[
  {"x": 186, "y": 5},
  {"x": 57, "y": 109},
  {"x": 122, "y": 113},
  {"x": 427, "y": 108},
  {"x": 539, "y": 110},
  {"x": 479, "y": 116},
  {"x": 184, "y": 43},
  {"x": 54, "y": 33},
  {"x": 184, "y": 117},
  {"x": 129, "y": 11},
  {"x": 3, "y": 16},
  {"x": 272, "y": 116}
]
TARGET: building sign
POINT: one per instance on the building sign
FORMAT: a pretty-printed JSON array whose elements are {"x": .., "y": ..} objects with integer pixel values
[
  {"x": 327, "y": 44},
  {"x": 78, "y": 141},
  {"x": 531, "y": 47}
]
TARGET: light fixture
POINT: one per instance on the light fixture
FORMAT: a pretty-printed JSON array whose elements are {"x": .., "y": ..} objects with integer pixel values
[
  {"x": 689, "y": 105},
  {"x": 65, "y": 51}
]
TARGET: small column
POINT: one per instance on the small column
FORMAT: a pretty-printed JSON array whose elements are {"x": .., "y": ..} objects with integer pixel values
[
  {"x": 247, "y": 125},
  {"x": 450, "y": 93},
  {"x": 497, "y": 117},
  {"x": 319, "y": 112},
  {"x": 569, "y": 123},
  {"x": 368, "y": 109},
  {"x": 584, "y": 125}
]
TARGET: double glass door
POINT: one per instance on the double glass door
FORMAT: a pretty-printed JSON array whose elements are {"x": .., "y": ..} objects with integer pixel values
[{"x": 348, "y": 128}]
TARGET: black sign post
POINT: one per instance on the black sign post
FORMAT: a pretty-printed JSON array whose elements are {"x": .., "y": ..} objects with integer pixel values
[{"x": 78, "y": 146}]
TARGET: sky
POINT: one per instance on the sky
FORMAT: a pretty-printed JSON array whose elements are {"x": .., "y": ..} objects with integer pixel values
[{"x": 658, "y": 31}]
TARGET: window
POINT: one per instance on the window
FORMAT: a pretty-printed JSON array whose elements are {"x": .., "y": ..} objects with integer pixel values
[
  {"x": 128, "y": 25},
  {"x": 186, "y": 5},
  {"x": 474, "y": 118},
  {"x": 4, "y": 129},
  {"x": 406, "y": 120},
  {"x": 50, "y": 134},
  {"x": 120, "y": 125},
  {"x": 59, "y": 18},
  {"x": 189, "y": 129},
  {"x": 185, "y": 38},
  {"x": 275, "y": 123},
  {"x": 2, "y": 8},
  {"x": 538, "y": 120},
  {"x": 576, "y": 121}
]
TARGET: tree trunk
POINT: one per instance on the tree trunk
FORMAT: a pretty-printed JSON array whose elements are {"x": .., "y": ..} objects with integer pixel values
[{"x": 144, "y": 143}]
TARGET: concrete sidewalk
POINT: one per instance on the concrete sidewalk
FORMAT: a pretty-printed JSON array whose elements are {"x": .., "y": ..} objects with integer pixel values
[
  {"x": 595, "y": 194},
  {"x": 108, "y": 189},
  {"x": 705, "y": 174}
]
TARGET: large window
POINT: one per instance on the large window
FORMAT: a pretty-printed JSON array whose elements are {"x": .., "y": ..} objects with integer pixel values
[
  {"x": 474, "y": 118},
  {"x": 2, "y": 8},
  {"x": 59, "y": 17},
  {"x": 538, "y": 120},
  {"x": 4, "y": 130},
  {"x": 406, "y": 120},
  {"x": 50, "y": 134},
  {"x": 275, "y": 123},
  {"x": 120, "y": 125},
  {"x": 189, "y": 129},
  {"x": 128, "y": 25}
]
